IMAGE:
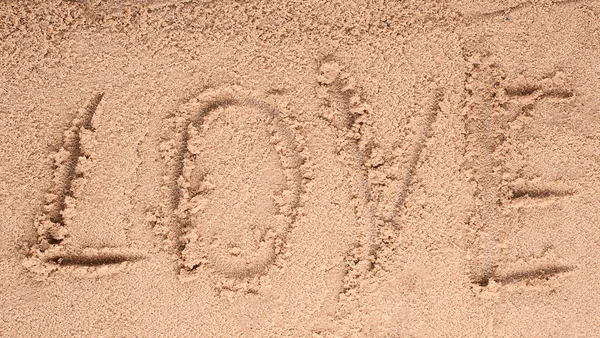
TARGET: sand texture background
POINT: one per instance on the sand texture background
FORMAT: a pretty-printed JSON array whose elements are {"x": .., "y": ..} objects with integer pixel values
[{"x": 300, "y": 168}]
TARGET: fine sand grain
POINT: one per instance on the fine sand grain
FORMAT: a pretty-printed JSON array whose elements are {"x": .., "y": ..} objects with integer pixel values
[{"x": 230, "y": 168}]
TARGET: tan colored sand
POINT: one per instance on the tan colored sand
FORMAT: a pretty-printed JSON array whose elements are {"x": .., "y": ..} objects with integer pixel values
[{"x": 334, "y": 169}]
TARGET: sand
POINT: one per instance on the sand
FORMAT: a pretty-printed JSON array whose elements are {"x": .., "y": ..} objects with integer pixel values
[{"x": 304, "y": 169}]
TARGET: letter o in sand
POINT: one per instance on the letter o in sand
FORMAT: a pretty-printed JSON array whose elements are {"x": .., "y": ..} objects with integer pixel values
[{"x": 240, "y": 183}]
